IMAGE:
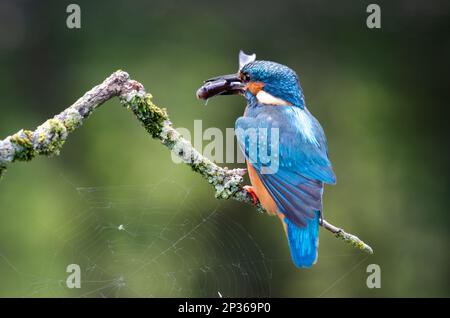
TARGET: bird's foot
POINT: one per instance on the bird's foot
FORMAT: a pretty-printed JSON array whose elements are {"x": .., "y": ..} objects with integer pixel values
[{"x": 252, "y": 193}]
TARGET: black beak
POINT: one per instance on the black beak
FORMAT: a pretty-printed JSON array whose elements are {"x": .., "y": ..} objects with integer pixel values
[{"x": 221, "y": 85}]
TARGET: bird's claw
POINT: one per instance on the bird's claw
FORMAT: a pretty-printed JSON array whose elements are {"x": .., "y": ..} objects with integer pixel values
[{"x": 252, "y": 193}]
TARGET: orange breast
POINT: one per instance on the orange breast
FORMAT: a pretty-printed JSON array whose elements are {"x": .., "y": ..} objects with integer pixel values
[{"x": 261, "y": 192}]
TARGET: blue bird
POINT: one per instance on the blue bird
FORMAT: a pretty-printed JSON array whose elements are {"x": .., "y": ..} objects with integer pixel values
[{"x": 277, "y": 125}]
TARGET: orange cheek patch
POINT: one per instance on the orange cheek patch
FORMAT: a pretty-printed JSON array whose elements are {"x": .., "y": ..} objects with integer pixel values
[{"x": 254, "y": 87}]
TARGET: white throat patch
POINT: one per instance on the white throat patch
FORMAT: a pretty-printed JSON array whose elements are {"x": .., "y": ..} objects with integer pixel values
[{"x": 265, "y": 98}]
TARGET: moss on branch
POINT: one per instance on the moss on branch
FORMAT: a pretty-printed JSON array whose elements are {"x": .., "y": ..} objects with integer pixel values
[{"x": 48, "y": 139}]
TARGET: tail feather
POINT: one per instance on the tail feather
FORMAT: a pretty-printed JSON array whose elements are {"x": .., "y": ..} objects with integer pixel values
[{"x": 303, "y": 241}]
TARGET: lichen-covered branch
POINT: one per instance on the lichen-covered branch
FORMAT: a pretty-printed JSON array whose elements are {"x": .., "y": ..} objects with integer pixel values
[
  {"x": 48, "y": 138},
  {"x": 347, "y": 237}
]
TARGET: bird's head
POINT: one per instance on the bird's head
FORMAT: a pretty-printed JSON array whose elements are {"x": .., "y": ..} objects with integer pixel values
[{"x": 264, "y": 82}]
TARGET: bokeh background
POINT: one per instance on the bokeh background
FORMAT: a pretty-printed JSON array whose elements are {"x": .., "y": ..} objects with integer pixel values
[{"x": 138, "y": 225}]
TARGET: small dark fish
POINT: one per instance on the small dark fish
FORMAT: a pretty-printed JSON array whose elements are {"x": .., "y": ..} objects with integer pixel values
[
  {"x": 222, "y": 85},
  {"x": 210, "y": 89}
]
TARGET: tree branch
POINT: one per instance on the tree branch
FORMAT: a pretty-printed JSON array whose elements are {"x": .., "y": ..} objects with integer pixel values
[{"x": 49, "y": 137}]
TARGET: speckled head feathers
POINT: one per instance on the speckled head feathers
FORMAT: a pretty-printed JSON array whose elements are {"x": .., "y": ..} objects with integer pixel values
[{"x": 279, "y": 80}]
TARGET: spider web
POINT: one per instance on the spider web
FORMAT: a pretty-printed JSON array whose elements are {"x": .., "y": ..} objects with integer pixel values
[{"x": 129, "y": 243}]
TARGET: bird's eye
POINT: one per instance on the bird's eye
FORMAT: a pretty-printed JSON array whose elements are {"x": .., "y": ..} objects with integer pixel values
[{"x": 244, "y": 77}]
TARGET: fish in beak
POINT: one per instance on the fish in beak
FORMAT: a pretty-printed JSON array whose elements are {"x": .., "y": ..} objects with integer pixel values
[
  {"x": 221, "y": 85},
  {"x": 226, "y": 84}
]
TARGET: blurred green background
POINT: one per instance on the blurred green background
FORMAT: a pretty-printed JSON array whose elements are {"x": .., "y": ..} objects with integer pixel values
[{"x": 381, "y": 96}]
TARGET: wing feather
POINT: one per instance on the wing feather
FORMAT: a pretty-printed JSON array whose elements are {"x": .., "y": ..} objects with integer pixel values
[{"x": 302, "y": 165}]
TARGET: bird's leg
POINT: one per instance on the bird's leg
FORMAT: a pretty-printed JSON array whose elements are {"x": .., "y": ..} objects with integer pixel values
[
  {"x": 321, "y": 218},
  {"x": 252, "y": 193}
]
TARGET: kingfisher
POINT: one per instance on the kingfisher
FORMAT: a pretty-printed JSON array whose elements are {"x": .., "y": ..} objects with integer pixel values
[{"x": 290, "y": 184}]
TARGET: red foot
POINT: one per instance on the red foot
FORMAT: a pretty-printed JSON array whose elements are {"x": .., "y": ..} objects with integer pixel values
[{"x": 252, "y": 193}]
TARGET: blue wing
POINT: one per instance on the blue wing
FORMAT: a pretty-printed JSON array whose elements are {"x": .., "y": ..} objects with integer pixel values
[{"x": 294, "y": 166}]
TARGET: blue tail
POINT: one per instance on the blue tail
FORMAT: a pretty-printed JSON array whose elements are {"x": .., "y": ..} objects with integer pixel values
[{"x": 304, "y": 241}]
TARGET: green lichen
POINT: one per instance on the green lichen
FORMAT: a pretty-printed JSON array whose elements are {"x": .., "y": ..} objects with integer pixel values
[
  {"x": 41, "y": 137},
  {"x": 201, "y": 167},
  {"x": 151, "y": 116},
  {"x": 23, "y": 139},
  {"x": 354, "y": 241},
  {"x": 56, "y": 133},
  {"x": 72, "y": 119}
]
